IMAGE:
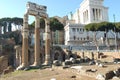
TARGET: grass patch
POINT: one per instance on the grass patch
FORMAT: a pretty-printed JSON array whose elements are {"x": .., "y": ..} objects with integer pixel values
[{"x": 12, "y": 74}]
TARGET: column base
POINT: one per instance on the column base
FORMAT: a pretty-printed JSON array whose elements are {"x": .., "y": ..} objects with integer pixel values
[
  {"x": 48, "y": 63},
  {"x": 35, "y": 65},
  {"x": 22, "y": 67}
]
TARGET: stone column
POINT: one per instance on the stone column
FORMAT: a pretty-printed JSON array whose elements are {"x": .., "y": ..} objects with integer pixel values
[
  {"x": 24, "y": 44},
  {"x": 92, "y": 56},
  {"x": 97, "y": 14},
  {"x": 37, "y": 42},
  {"x": 47, "y": 43},
  {"x": 93, "y": 14},
  {"x": 83, "y": 55},
  {"x": 100, "y": 15},
  {"x": 85, "y": 16},
  {"x": 17, "y": 58}
]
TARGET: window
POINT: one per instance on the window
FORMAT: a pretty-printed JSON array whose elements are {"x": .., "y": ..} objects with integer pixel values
[
  {"x": 73, "y": 29},
  {"x": 74, "y": 37},
  {"x": 77, "y": 29}
]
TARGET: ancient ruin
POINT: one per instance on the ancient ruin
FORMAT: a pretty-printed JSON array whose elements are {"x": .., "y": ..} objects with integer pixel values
[{"x": 38, "y": 11}]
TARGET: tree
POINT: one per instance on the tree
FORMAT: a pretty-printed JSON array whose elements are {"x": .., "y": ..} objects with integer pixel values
[
  {"x": 55, "y": 24},
  {"x": 106, "y": 26},
  {"x": 17, "y": 22},
  {"x": 117, "y": 26},
  {"x": 6, "y": 24},
  {"x": 42, "y": 24}
]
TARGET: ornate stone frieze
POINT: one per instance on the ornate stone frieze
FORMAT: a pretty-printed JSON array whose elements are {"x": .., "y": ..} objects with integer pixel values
[{"x": 35, "y": 9}]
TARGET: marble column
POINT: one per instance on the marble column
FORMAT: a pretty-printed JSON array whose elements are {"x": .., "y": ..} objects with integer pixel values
[
  {"x": 37, "y": 42},
  {"x": 47, "y": 43},
  {"x": 95, "y": 14},
  {"x": 100, "y": 14},
  {"x": 24, "y": 44},
  {"x": 17, "y": 58}
]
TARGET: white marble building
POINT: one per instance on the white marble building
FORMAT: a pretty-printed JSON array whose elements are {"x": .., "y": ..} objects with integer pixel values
[{"x": 90, "y": 11}]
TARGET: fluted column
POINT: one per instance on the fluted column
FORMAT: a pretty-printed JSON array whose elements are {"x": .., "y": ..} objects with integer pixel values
[
  {"x": 24, "y": 43},
  {"x": 37, "y": 42},
  {"x": 47, "y": 43}
]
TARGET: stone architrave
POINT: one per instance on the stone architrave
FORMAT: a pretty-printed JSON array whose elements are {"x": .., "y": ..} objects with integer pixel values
[
  {"x": 37, "y": 42},
  {"x": 47, "y": 43}
]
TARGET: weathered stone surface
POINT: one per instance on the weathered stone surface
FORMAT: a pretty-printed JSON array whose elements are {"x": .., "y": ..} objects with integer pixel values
[
  {"x": 8, "y": 70},
  {"x": 73, "y": 76},
  {"x": 56, "y": 63},
  {"x": 37, "y": 11},
  {"x": 68, "y": 62},
  {"x": 86, "y": 59},
  {"x": 91, "y": 70},
  {"x": 117, "y": 73},
  {"x": 115, "y": 78},
  {"x": 100, "y": 77},
  {"x": 109, "y": 75},
  {"x": 101, "y": 65},
  {"x": 116, "y": 60},
  {"x": 92, "y": 62},
  {"x": 3, "y": 63},
  {"x": 72, "y": 60}
]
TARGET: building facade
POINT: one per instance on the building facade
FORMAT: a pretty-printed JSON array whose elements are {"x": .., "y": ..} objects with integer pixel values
[{"x": 90, "y": 11}]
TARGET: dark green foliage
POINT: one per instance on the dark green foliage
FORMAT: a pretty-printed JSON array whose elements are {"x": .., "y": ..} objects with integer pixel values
[
  {"x": 55, "y": 24},
  {"x": 117, "y": 27},
  {"x": 17, "y": 21},
  {"x": 4, "y": 26},
  {"x": 103, "y": 26},
  {"x": 91, "y": 27},
  {"x": 4, "y": 22},
  {"x": 7, "y": 23},
  {"x": 9, "y": 27},
  {"x": 42, "y": 24}
]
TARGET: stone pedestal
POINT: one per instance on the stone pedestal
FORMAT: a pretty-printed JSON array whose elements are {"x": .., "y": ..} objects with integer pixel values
[{"x": 37, "y": 42}]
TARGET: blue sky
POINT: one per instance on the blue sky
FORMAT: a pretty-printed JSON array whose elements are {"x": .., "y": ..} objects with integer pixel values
[{"x": 16, "y": 8}]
